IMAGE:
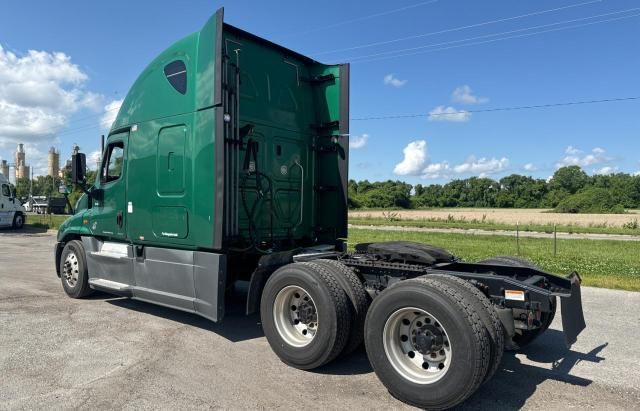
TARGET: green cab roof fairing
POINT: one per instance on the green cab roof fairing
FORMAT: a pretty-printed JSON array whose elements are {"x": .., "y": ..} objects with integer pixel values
[{"x": 149, "y": 98}]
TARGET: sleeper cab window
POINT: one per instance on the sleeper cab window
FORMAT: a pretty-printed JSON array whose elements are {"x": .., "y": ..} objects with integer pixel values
[
  {"x": 176, "y": 73},
  {"x": 113, "y": 167}
]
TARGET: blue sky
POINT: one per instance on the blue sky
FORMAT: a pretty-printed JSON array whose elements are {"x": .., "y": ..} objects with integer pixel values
[{"x": 59, "y": 99}]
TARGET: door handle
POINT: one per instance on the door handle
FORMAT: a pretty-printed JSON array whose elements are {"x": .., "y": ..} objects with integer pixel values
[{"x": 119, "y": 219}]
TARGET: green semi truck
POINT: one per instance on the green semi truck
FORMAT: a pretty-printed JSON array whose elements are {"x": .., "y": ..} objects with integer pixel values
[{"x": 228, "y": 162}]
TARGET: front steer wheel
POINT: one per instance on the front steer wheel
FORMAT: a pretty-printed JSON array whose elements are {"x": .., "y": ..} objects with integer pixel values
[
  {"x": 18, "y": 221},
  {"x": 73, "y": 270},
  {"x": 426, "y": 343},
  {"x": 305, "y": 315}
]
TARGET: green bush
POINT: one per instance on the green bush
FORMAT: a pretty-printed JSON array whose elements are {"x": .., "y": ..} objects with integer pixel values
[{"x": 590, "y": 200}]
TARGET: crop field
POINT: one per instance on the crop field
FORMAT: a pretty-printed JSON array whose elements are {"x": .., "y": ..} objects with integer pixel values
[
  {"x": 600, "y": 263},
  {"x": 507, "y": 215},
  {"x": 502, "y": 219}
]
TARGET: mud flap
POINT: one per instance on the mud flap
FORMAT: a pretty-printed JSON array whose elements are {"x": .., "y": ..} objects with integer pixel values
[{"x": 572, "y": 315}]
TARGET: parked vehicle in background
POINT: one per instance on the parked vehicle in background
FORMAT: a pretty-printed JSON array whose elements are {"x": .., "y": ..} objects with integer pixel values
[
  {"x": 38, "y": 204},
  {"x": 12, "y": 213},
  {"x": 56, "y": 205}
]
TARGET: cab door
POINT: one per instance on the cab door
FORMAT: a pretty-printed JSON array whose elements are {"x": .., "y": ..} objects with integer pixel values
[
  {"x": 6, "y": 214},
  {"x": 109, "y": 203}
]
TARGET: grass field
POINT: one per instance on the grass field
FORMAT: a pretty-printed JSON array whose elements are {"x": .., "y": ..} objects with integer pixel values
[
  {"x": 601, "y": 263},
  {"x": 49, "y": 221},
  {"x": 503, "y": 219}
]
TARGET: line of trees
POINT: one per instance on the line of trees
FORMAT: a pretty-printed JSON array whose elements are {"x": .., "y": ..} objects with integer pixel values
[{"x": 569, "y": 190}]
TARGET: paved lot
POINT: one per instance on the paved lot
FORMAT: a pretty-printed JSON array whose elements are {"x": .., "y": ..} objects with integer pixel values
[{"x": 107, "y": 352}]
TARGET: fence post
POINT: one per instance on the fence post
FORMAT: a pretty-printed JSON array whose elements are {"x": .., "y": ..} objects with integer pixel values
[
  {"x": 555, "y": 240},
  {"x": 518, "y": 237}
]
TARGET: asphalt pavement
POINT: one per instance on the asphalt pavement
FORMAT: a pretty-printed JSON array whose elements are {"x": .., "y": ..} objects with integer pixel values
[{"x": 108, "y": 352}]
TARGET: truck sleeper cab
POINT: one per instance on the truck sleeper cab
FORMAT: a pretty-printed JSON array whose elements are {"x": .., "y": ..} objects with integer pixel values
[{"x": 228, "y": 161}]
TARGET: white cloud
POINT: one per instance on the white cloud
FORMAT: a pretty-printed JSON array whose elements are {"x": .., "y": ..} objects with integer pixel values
[
  {"x": 606, "y": 170},
  {"x": 464, "y": 95},
  {"x": 110, "y": 114},
  {"x": 576, "y": 157},
  {"x": 392, "y": 80},
  {"x": 436, "y": 170},
  {"x": 39, "y": 90},
  {"x": 415, "y": 157},
  {"x": 482, "y": 166},
  {"x": 637, "y": 174},
  {"x": 572, "y": 150},
  {"x": 530, "y": 167},
  {"x": 93, "y": 158},
  {"x": 442, "y": 113},
  {"x": 356, "y": 142}
]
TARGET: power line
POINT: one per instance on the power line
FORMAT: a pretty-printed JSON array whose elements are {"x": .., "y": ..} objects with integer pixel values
[
  {"x": 495, "y": 40},
  {"x": 485, "y": 23},
  {"x": 370, "y": 16},
  {"x": 396, "y": 53},
  {"x": 489, "y": 110}
]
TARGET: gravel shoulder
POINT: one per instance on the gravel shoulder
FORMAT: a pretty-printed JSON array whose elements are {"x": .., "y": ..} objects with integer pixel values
[{"x": 108, "y": 352}]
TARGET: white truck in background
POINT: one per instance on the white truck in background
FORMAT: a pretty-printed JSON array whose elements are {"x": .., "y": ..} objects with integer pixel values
[{"x": 12, "y": 213}]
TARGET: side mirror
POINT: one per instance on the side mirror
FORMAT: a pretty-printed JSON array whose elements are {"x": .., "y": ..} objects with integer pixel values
[
  {"x": 78, "y": 168},
  {"x": 97, "y": 194}
]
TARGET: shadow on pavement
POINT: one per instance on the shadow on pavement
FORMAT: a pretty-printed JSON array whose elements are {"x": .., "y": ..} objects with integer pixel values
[
  {"x": 516, "y": 381},
  {"x": 510, "y": 387},
  {"x": 236, "y": 325},
  {"x": 353, "y": 364},
  {"x": 27, "y": 229}
]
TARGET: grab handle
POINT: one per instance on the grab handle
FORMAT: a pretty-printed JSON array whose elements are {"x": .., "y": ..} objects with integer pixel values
[{"x": 301, "y": 193}]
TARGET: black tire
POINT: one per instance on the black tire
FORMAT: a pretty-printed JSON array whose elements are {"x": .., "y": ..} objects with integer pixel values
[
  {"x": 332, "y": 308},
  {"x": 510, "y": 261},
  {"x": 456, "y": 315},
  {"x": 74, "y": 267},
  {"x": 358, "y": 297},
  {"x": 18, "y": 221},
  {"x": 526, "y": 336},
  {"x": 488, "y": 315}
]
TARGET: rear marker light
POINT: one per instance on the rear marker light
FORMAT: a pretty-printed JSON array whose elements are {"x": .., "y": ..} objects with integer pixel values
[{"x": 515, "y": 295}]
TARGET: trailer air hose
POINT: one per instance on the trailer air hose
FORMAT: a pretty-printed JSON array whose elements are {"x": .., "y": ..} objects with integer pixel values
[{"x": 251, "y": 168}]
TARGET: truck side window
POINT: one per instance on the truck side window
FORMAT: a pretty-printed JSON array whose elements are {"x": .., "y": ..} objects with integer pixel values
[
  {"x": 176, "y": 73},
  {"x": 5, "y": 191},
  {"x": 113, "y": 168}
]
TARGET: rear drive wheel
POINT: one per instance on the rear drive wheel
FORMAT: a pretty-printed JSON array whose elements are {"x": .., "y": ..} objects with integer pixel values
[
  {"x": 18, "y": 220},
  {"x": 487, "y": 314},
  {"x": 305, "y": 315},
  {"x": 73, "y": 270},
  {"x": 426, "y": 343},
  {"x": 358, "y": 297},
  {"x": 524, "y": 337}
]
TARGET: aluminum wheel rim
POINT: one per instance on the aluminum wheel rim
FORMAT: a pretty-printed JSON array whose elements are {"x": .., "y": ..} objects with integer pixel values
[
  {"x": 295, "y": 316},
  {"x": 406, "y": 338},
  {"x": 71, "y": 269},
  {"x": 18, "y": 220}
]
